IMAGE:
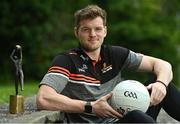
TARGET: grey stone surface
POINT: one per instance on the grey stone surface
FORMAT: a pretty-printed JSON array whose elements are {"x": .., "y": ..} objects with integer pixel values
[
  {"x": 163, "y": 117},
  {"x": 39, "y": 117},
  {"x": 31, "y": 115},
  {"x": 29, "y": 108}
]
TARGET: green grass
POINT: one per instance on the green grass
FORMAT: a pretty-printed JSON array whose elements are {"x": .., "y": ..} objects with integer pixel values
[{"x": 30, "y": 89}]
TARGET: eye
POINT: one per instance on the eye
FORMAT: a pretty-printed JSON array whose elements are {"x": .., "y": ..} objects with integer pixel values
[
  {"x": 99, "y": 29},
  {"x": 85, "y": 29}
]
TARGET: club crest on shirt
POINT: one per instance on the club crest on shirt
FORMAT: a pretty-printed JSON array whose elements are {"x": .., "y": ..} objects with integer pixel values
[
  {"x": 106, "y": 68},
  {"x": 83, "y": 68}
]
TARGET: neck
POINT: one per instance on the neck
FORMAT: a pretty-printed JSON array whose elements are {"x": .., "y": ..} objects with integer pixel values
[{"x": 94, "y": 55}]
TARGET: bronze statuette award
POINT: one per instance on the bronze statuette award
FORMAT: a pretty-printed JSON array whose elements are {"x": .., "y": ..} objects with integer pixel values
[{"x": 17, "y": 101}]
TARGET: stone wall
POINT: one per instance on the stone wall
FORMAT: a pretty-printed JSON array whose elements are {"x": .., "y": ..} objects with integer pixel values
[{"x": 31, "y": 115}]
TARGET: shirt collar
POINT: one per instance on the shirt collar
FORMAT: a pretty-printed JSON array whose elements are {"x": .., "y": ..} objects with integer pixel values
[{"x": 85, "y": 57}]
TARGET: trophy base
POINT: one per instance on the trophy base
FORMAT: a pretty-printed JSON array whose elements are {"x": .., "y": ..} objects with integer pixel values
[{"x": 16, "y": 104}]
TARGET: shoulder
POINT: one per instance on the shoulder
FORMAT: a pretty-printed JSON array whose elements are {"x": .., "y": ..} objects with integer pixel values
[
  {"x": 117, "y": 50},
  {"x": 63, "y": 57}
]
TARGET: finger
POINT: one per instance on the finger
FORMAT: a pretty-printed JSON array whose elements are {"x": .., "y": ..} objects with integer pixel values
[
  {"x": 117, "y": 114},
  {"x": 152, "y": 98},
  {"x": 156, "y": 97},
  {"x": 109, "y": 95},
  {"x": 159, "y": 97},
  {"x": 149, "y": 87},
  {"x": 114, "y": 115}
]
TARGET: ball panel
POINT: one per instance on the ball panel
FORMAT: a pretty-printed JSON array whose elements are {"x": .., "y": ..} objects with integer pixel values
[{"x": 130, "y": 95}]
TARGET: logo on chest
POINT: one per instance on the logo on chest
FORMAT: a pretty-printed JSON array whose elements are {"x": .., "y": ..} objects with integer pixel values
[
  {"x": 106, "y": 68},
  {"x": 83, "y": 68}
]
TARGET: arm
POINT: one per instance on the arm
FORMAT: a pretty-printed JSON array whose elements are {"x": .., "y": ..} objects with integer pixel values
[
  {"x": 161, "y": 68},
  {"x": 163, "y": 71},
  {"x": 49, "y": 99}
]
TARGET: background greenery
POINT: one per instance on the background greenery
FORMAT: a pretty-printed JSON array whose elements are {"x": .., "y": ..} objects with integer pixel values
[
  {"x": 45, "y": 27},
  {"x": 7, "y": 90}
]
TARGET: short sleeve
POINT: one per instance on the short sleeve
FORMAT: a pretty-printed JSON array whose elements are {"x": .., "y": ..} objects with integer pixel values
[
  {"x": 120, "y": 55},
  {"x": 133, "y": 61},
  {"x": 58, "y": 74}
]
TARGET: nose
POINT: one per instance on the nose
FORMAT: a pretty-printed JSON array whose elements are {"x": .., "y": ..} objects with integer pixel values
[{"x": 92, "y": 33}]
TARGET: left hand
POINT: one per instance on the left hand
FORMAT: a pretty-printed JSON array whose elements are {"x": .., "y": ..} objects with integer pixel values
[
  {"x": 101, "y": 108},
  {"x": 158, "y": 92}
]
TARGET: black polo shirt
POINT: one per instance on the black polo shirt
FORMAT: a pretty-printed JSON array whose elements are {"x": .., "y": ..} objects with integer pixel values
[{"x": 75, "y": 75}]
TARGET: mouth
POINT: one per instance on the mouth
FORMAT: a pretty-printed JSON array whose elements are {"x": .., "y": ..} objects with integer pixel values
[{"x": 92, "y": 40}]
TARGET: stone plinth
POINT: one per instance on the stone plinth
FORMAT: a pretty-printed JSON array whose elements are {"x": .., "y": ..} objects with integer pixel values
[{"x": 31, "y": 115}]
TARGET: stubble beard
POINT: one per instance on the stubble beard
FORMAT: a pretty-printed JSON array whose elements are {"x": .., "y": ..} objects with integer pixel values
[{"x": 91, "y": 48}]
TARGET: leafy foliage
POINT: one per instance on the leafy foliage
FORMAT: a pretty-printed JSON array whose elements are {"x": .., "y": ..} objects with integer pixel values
[{"x": 45, "y": 27}]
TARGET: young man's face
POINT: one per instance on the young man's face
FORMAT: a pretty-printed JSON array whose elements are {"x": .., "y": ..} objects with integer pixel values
[{"x": 91, "y": 33}]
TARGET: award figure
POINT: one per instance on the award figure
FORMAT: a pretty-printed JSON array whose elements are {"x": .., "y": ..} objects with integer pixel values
[{"x": 17, "y": 101}]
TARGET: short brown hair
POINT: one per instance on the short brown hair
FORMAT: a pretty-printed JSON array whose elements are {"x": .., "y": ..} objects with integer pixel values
[{"x": 89, "y": 12}]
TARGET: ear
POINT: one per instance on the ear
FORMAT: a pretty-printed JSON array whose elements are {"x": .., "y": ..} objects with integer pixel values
[
  {"x": 105, "y": 31},
  {"x": 76, "y": 31}
]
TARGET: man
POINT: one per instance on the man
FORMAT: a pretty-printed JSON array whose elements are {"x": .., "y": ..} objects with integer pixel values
[{"x": 80, "y": 80}]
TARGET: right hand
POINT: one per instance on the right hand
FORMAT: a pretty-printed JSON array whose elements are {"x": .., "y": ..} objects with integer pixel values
[
  {"x": 101, "y": 108},
  {"x": 158, "y": 92}
]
